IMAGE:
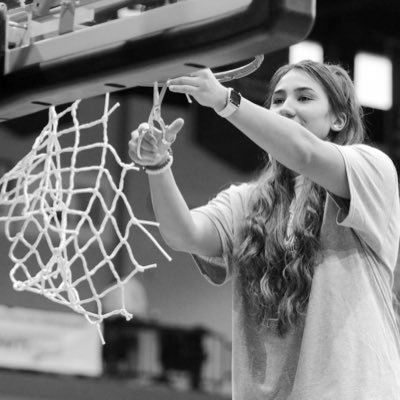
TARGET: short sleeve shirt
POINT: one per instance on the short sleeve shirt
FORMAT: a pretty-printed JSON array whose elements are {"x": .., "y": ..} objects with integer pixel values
[{"x": 348, "y": 345}]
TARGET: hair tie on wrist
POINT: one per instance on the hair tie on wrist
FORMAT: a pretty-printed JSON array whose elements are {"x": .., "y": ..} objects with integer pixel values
[{"x": 158, "y": 169}]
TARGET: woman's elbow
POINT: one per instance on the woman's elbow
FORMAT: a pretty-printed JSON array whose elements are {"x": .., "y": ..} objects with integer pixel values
[{"x": 177, "y": 242}]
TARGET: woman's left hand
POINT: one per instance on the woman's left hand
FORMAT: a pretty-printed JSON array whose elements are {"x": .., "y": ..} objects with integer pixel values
[{"x": 203, "y": 86}]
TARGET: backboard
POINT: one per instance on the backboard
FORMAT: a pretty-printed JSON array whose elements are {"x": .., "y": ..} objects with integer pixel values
[{"x": 56, "y": 51}]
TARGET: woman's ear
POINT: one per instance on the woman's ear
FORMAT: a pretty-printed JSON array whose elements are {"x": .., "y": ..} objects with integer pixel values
[{"x": 338, "y": 122}]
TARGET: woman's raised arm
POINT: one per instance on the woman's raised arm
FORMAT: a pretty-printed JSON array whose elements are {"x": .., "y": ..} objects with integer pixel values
[{"x": 181, "y": 229}]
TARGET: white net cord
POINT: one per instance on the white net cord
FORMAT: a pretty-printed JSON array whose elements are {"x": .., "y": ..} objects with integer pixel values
[{"x": 45, "y": 223}]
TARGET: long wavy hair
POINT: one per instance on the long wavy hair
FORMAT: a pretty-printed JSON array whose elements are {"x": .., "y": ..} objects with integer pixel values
[{"x": 276, "y": 273}]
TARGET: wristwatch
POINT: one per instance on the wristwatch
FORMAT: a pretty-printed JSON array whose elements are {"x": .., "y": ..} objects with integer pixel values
[{"x": 232, "y": 104}]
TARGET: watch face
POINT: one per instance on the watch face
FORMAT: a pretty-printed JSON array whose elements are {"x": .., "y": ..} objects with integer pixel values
[{"x": 235, "y": 98}]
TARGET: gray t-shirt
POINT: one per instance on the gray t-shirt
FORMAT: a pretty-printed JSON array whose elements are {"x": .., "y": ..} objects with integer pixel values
[{"x": 348, "y": 345}]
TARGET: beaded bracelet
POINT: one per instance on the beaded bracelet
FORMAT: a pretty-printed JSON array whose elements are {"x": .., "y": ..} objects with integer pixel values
[{"x": 158, "y": 169}]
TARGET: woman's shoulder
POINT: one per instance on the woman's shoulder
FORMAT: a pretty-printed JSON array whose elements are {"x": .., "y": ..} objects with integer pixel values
[
  {"x": 368, "y": 150},
  {"x": 239, "y": 188},
  {"x": 236, "y": 194},
  {"x": 242, "y": 190},
  {"x": 367, "y": 155}
]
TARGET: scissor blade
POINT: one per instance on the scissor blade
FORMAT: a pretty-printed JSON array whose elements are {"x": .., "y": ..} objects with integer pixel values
[{"x": 156, "y": 95}]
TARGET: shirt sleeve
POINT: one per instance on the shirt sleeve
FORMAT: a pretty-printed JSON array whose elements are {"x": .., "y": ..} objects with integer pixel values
[
  {"x": 374, "y": 196},
  {"x": 224, "y": 211}
]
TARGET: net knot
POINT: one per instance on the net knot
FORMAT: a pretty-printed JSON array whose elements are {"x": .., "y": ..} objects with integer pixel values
[{"x": 19, "y": 286}]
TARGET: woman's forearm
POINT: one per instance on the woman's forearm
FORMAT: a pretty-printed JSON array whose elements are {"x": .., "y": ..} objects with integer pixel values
[
  {"x": 171, "y": 211},
  {"x": 286, "y": 140},
  {"x": 181, "y": 229}
]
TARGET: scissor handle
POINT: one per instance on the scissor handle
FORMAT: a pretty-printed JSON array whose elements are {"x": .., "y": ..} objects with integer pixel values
[
  {"x": 145, "y": 131},
  {"x": 142, "y": 133},
  {"x": 155, "y": 121}
]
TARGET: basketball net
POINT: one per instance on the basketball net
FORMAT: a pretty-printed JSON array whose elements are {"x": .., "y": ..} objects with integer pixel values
[{"x": 45, "y": 224}]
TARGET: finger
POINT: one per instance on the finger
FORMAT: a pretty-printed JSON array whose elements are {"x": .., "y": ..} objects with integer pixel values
[
  {"x": 150, "y": 137},
  {"x": 146, "y": 147},
  {"x": 173, "y": 129},
  {"x": 145, "y": 159},
  {"x": 139, "y": 145},
  {"x": 190, "y": 90},
  {"x": 135, "y": 134},
  {"x": 184, "y": 80},
  {"x": 133, "y": 156},
  {"x": 139, "y": 133},
  {"x": 132, "y": 152},
  {"x": 206, "y": 72},
  {"x": 201, "y": 73},
  {"x": 147, "y": 138},
  {"x": 143, "y": 135},
  {"x": 144, "y": 126},
  {"x": 148, "y": 132}
]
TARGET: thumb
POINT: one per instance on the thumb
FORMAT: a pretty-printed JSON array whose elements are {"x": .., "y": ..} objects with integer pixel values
[{"x": 173, "y": 129}]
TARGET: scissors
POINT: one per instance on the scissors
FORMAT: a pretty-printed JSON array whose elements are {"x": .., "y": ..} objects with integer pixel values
[{"x": 155, "y": 120}]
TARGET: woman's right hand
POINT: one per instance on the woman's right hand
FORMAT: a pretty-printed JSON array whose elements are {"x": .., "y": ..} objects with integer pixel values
[{"x": 147, "y": 147}]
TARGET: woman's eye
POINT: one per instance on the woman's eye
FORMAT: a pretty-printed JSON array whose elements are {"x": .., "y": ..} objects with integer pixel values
[
  {"x": 277, "y": 101},
  {"x": 304, "y": 98}
]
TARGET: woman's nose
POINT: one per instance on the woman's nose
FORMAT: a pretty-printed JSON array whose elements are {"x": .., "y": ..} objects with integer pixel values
[{"x": 287, "y": 109}]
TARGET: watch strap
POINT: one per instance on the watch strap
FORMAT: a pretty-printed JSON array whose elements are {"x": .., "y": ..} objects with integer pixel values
[{"x": 232, "y": 104}]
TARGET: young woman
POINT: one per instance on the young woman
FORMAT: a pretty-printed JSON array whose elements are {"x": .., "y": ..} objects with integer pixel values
[{"x": 310, "y": 245}]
